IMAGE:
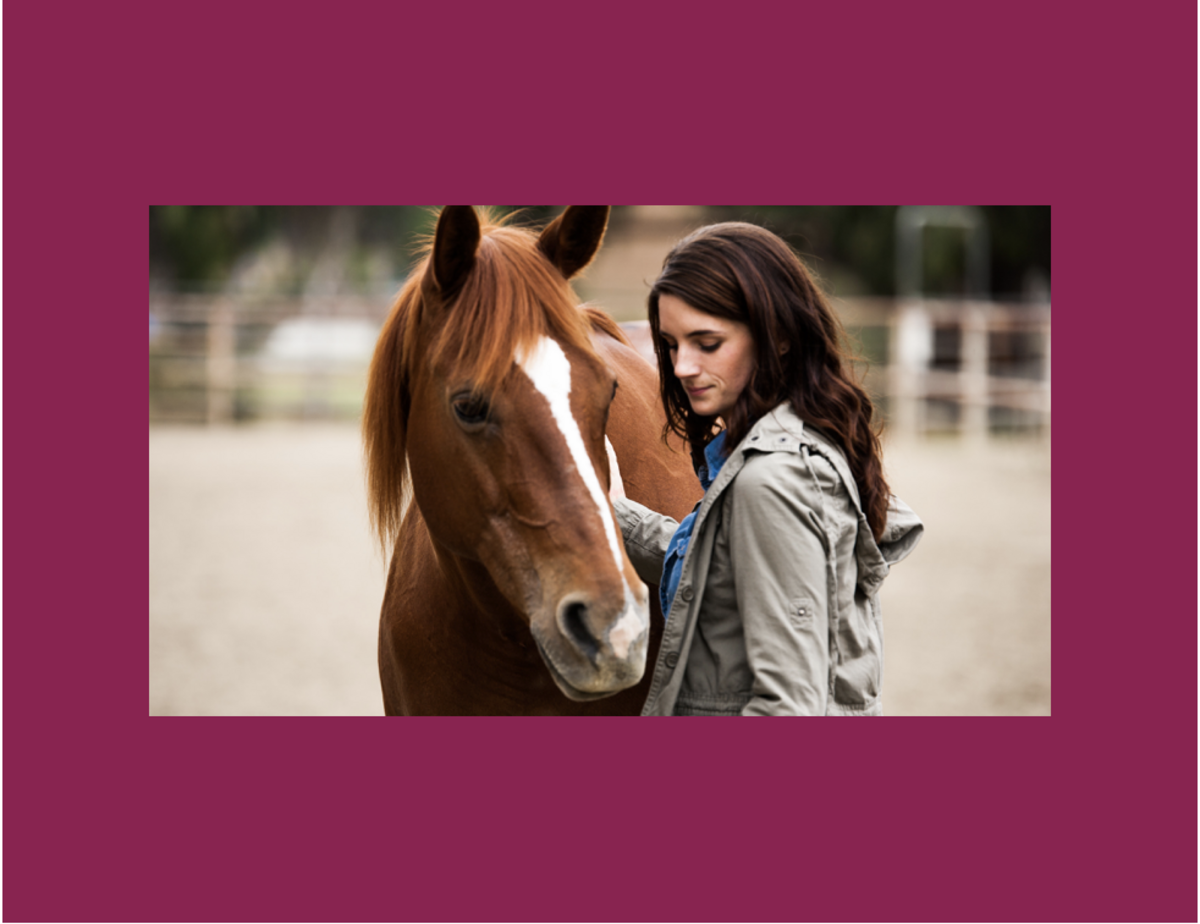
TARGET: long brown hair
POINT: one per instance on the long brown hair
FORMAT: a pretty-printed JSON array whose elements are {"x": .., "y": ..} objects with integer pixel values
[{"x": 744, "y": 273}]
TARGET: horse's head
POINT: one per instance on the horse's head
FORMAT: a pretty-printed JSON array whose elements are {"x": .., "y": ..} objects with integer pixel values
[{"x": 485, "y": 384}]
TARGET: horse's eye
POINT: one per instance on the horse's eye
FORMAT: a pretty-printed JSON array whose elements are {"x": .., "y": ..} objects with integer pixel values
[{"x": 470, "y": 409}]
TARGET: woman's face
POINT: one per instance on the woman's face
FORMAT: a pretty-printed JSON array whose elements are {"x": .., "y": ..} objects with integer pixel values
[{"x": 713, "y": 357}]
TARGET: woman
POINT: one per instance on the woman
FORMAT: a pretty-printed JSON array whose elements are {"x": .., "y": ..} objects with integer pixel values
[{"x": 770, "y": 585}]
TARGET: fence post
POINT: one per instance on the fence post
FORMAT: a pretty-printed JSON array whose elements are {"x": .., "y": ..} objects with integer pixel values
[
  {"x": 221, "y": 363},
  {"x": 1046, "y": 385},
  {"x": 911, "y": 350},
  {"x": 973, "y": 372},
  {"x": 911, "y": 222}
]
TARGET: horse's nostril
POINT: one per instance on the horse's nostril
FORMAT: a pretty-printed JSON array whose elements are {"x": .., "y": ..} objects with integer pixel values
[{"x": 573, "y": 620}]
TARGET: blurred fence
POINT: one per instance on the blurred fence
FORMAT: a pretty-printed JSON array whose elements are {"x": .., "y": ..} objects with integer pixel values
[
  {"x": 934, "y": 366},
  {"x": 968, "y": 366},
  {"x": 215, "y": 359}
]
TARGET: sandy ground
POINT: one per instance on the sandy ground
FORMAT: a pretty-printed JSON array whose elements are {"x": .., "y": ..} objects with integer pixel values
[{"x": 265, "y": 585}]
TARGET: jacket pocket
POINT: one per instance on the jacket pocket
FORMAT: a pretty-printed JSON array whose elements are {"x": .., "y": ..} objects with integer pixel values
[{"x": 859, "y": 673}]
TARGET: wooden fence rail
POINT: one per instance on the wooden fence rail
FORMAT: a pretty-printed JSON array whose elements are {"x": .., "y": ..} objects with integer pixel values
[{"x": 967, "y": 366}]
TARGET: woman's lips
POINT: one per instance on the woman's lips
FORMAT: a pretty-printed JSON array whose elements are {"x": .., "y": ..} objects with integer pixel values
[{"x": 698, "y": 391}]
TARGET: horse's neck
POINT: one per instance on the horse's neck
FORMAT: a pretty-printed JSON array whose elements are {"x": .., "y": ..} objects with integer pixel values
[{"x": 658, "y": 476}]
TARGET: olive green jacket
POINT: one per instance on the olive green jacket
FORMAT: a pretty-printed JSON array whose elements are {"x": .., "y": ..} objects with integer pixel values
[{"x": 777, "y": 610}]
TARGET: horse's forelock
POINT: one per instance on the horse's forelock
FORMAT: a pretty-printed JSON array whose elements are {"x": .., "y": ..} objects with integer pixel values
[{"x": 512, "y": 298}]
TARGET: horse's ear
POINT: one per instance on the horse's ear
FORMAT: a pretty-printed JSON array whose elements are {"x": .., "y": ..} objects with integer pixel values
[
  {"x": 455, "y": 243},
  {"x": 572, "y": 239}
]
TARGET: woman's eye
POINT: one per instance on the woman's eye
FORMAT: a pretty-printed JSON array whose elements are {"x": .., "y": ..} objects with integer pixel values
[
  {"x": 710, "y": 347},
  {"x": 470, "y": 410}
]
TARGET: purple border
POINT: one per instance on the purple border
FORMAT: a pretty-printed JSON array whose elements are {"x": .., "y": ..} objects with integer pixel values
[{"x": 1090, "y": 815}]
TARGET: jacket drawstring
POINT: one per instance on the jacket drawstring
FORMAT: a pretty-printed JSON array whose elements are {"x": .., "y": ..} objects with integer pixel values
[
  {"x": 831, "y": 580},
  {"x": 812, "y": 474}
]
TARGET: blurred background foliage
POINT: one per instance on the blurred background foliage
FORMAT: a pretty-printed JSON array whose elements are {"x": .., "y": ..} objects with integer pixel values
[{"x": 281, "y": 248}]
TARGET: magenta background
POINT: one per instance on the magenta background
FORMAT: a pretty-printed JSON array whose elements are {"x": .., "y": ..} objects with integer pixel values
[{"x": 1089, "y": 815}]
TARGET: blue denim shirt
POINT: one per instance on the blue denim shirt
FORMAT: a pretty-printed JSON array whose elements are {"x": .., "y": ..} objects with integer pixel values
[{"x": 714, "y": 458}]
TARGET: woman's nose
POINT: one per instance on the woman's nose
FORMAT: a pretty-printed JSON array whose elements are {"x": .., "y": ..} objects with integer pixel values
[{"x": 685, "y": 364}]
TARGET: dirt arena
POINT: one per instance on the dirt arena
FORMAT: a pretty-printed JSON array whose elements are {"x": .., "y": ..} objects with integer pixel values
[{"x": 265, "y": 584}]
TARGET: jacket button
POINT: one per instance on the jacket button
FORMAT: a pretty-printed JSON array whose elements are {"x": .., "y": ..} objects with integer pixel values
[
  {"x": 672, "y": 659},
  {"x": 686, "y": 593}
]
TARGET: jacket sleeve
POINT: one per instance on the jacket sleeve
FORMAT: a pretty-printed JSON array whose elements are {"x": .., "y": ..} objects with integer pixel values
[
  {"x": 647, "y": 535},
  {"x": 777, "y": 545}
]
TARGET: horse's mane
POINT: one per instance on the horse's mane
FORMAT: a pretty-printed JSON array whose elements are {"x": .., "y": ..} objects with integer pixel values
[
  {"x": 603, "y": 323},
  {"x": 512, "y": 297}
]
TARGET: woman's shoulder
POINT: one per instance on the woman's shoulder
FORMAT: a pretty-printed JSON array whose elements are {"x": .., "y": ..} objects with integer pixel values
[
  {"x": 799, "y": 469},
  {"x": 780, "y": 443},
  {"x": 788, "y": 465}
]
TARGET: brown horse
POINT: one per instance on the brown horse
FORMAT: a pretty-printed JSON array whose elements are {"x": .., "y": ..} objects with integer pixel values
[{"x": 489, "y": 402}]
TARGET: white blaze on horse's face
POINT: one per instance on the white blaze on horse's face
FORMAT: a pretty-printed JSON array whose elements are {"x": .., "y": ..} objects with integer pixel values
[{"x": 549, "y": 370}]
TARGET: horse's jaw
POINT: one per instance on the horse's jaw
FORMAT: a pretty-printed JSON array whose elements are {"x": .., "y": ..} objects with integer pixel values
[{"x": 587, "y": 662}]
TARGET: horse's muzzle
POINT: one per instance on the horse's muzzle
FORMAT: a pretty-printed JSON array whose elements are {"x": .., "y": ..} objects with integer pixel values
[{"x": 593, "y": 651}]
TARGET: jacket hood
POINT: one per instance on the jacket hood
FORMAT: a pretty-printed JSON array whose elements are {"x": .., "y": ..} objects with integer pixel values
[
  {"x": 900, "y": 536},
  {"x": 782, "y": 429}
]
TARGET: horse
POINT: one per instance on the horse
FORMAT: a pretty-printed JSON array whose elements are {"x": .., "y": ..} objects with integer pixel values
[{"x": 493, "y": 401}]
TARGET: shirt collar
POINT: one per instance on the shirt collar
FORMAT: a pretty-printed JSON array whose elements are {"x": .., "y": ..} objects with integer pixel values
[{"x": 714, "y": 458}]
